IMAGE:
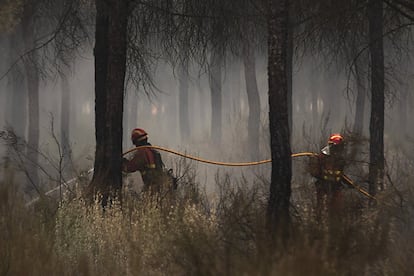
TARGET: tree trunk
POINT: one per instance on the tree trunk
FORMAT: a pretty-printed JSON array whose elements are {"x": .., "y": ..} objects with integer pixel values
[
  {"x": 33, "y": 135},
  {"x": 125, "y": 122},
  {"x": 253, "y": 127},
  {"x": 126, "y": 137},
  {"x": 32, "y": 80},
  {"x": 101, "y": 64},
  {"x": 403, "y": 113},
  {"x": 65, "y": 106},
  {"x": 110, "y": 63},
  {"x": 216, "y": 98},
  {"x": 280, "y": 186},
  {"x": 289, "y": 74},
  {"x": 183, "y": 101},
  {"x": 376, "y": 127}
]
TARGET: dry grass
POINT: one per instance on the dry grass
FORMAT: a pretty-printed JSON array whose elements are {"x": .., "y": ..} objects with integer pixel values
[{"x": 191, "y": 234}]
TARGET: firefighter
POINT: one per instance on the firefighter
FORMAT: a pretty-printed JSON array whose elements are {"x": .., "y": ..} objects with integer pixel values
[
  {"x": 328, "y": 169},
  {"x": 146, "y": 160}
]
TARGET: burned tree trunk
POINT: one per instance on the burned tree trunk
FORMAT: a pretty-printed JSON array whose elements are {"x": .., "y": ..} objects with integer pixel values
[
  {"x": 110, "y": 63},
  {"x": 101, "y": 64},
  {"x": 280, "y": 186},
  {"x": 289, "y": 73},
  {"x": 253, "y": 98},
  {"x": 376, "y": 127},
  {"x": 125, "y": 122},
  {"x": 403, "y": 113}
]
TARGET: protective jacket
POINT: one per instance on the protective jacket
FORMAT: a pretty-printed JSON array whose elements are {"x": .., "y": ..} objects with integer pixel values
[
  {"x": 328, "y": 169},
  {"x": 326, "y": 166},
  {"x": 148, "y": 162}
]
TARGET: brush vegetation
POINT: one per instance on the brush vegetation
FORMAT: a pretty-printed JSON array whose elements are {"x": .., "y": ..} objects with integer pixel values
[{"x": 192, "y": 233}]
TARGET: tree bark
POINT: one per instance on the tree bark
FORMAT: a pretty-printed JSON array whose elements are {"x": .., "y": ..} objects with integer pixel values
[
  {"x": 183, "y": 100},
  {"x": 403, "y": 113},
  {"x": 216, "y": 97},
  {"x": 125, "y": 121},
  {"x": 376, "y": 127},
  {"x": 289, "y": 73},
  {"x": 253, "y": 97},
  {"x": 110, "y": 63},
  {"x": 101, "y": 64},
  {"x": 280, "y": 186}
]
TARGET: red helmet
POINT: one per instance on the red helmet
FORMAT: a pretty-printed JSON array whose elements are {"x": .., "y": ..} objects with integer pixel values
[
  {"x": 336, "y": 139},
  {"x": 138, "y": 134}
]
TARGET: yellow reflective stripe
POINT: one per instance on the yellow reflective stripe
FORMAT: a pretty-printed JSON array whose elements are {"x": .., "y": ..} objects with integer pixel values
[
  {"x": 329, "y": 173},
  {"x": 148, "y": 166}
]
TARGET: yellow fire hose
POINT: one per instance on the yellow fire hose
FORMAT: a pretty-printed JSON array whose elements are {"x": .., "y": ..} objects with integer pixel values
[
  {"x": 232, "y": 164},
  {"x": 239, "y": 164},
  {"x": 346, "y": 179},
  {"x": 359, "y": 189}
]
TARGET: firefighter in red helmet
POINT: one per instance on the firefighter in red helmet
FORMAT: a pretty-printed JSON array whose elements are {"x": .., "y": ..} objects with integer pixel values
[
  {"x": 146, "y": 160},
  {"x": 328, "y": 168}
]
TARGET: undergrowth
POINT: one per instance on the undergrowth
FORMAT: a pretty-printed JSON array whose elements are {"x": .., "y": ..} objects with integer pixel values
[{"x": 190, "y": 233}]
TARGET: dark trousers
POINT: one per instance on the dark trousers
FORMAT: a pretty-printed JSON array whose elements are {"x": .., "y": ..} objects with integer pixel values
[{"x": 328, "y": 196}]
